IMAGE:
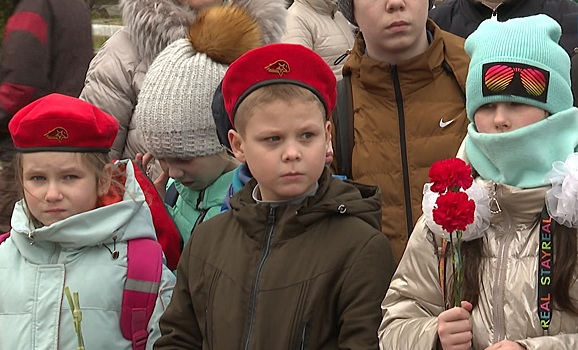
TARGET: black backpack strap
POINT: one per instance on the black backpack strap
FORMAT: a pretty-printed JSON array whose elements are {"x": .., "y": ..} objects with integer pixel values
[
  {"x": 343, "y": 121},
  {"x": 171, "y": 195},
  {"x": 574, "y": 77}
]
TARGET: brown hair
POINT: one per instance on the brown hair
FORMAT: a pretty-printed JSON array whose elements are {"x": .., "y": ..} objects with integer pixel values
[
  {"x": 272, "y": 93},
  {"x": 565, "y": 257}
]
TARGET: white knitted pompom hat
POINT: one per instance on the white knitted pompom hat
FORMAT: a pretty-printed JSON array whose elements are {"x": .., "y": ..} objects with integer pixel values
[{"x": 174, "y": 105}]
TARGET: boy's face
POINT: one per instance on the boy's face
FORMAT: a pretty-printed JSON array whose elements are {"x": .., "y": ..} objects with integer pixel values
[
  {"x": 58, "y": 185},
  {"x": 393, "y": 30},
  {"x": 284, "y": 144},
  {"x": 195, "y": 173},
  {"x": 506, "y": 116}
]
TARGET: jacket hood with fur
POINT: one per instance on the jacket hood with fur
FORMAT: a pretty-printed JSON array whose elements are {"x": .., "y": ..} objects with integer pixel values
[{"x": 154, "y": 24}]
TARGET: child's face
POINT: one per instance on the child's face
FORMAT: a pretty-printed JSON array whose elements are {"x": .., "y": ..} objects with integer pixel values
[
  {"x": 506, "y": 116},
  {"x": 195, "y": 173},
  {"x": 393, "y": 30},
  {"x": 284, "y": 144},
  {"x": 58, "y": 185}
]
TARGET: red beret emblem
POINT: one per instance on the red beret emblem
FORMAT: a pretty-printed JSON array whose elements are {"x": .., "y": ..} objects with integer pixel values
[
  {"x": 58, "y": 133},
  {"x": 280, "y": 67}
]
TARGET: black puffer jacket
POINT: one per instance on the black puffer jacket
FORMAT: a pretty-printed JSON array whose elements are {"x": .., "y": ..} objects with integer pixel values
[{"x": 462, "y": 17}]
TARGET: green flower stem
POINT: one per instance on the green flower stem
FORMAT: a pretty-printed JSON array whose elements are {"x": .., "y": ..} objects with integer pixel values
[{"x": 457, "y": 266}]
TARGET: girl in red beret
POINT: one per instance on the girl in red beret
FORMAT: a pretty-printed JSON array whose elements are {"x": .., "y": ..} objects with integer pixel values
[{"x": 71, "y": 232}]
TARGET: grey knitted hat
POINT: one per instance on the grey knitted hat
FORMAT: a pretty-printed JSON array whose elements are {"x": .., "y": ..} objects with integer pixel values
[
  {"x": 346, "y": 8},
  {"x": 174, "y": 104}
]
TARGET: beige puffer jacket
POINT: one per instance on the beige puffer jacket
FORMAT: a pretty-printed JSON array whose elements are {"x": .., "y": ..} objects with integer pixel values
[
  {"x": 116, "y": 73},
  {"x": 508, "y": 301},
  {"x": 318, "y": 25}
]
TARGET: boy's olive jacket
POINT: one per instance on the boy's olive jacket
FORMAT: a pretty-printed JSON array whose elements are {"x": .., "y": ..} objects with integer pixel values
[{"x": 293, "y": 276}]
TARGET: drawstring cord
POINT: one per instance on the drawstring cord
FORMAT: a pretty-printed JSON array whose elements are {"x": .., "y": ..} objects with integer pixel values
[{"x": 340, "y": 59}]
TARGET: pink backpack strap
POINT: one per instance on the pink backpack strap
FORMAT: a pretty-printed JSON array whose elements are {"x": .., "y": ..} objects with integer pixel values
[
  {"x": 145, "y": 261},
  {"x": 4, "y": 236}
]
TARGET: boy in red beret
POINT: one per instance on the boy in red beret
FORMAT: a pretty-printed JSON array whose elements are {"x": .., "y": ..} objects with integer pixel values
[
  {"x": 299, "y": 260},
  {"x": 79, "y": 215}
]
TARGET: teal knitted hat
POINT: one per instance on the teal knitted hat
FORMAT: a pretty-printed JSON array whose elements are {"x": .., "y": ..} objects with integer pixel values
[{"x": 518, "y": 60}]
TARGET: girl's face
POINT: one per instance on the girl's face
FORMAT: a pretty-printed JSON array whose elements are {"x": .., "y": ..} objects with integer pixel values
[
  {"x": 58, "y": 185},
  {"x": 506, "y": 116}
]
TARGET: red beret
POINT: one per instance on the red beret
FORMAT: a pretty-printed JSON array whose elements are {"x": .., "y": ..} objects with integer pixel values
[
  {"x": 62, "y": 123},
  {"x": 278, "y": 64}
]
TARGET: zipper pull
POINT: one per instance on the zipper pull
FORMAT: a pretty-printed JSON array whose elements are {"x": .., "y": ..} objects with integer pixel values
[
  {"x": 494, "y": 205},
  {"x": 340, "y": 59},
  {"x": 200, "y": 199},
  {"x": 31, "y": 237},
  {"x": 271, "y": 216},
  {"x": 494, "y": 14}
]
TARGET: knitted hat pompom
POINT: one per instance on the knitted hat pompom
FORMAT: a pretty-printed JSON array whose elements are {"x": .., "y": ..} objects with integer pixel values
[{"x": 224, "y": 33}]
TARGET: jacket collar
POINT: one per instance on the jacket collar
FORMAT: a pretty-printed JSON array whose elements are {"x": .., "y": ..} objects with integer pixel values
[
  {"x": 213, "y": 195},
  {"x": 520, "y": 8},
  {"x": 333, "y": 197},
  {"x": 523, "y": 206},
  {"x": 414, "y": 73},
  {"x": 124, "y": 220}
]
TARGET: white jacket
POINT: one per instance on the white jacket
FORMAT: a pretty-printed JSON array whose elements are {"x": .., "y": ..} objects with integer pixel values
[
  {"x": 37, "y": 263},
  {"x": 318, "y": 25}
]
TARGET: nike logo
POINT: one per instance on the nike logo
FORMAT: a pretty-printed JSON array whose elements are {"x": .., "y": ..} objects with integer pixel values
[{"x": 444, "y": 124}]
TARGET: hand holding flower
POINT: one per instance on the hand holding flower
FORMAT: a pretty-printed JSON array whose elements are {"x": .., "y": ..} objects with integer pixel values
[{"x": 455, "y": 328}]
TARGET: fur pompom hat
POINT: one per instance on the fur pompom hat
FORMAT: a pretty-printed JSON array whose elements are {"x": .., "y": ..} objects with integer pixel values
[{"x": 174, "y": 104}]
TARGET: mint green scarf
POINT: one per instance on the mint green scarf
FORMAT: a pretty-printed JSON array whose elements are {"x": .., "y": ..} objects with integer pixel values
[{"x": 522, "y": 157}]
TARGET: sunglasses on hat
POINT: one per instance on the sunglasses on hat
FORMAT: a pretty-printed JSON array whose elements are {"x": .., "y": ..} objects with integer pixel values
[{"x": 515, "y": 79}]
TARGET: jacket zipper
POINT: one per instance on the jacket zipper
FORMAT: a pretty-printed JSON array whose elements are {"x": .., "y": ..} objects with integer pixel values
[
  {"x": 208, "y": 320},
  {"x": 501, "y": 271},
  {"x": 56, "y": 254},
  {"x": 264, "y": 254},
  {"x": 495, "y": 13},
  {"x": 304, "y": 335},
  {"x": 202, "y": 212},
  {"x": 403, "y": 148}
]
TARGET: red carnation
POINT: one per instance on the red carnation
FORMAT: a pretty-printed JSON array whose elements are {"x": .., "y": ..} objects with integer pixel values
[
  {"x": 450, "y": 173},
  {"x": 454, "y": 211}
]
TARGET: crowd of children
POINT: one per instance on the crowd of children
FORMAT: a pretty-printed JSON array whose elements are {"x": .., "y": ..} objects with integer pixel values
[{"x": 274, "y": 252}]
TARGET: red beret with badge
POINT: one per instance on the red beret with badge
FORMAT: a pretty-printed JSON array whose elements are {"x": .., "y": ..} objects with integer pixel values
[
  {"x": 60, "y": 123},
  {"x": 278, "y": 64}
]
